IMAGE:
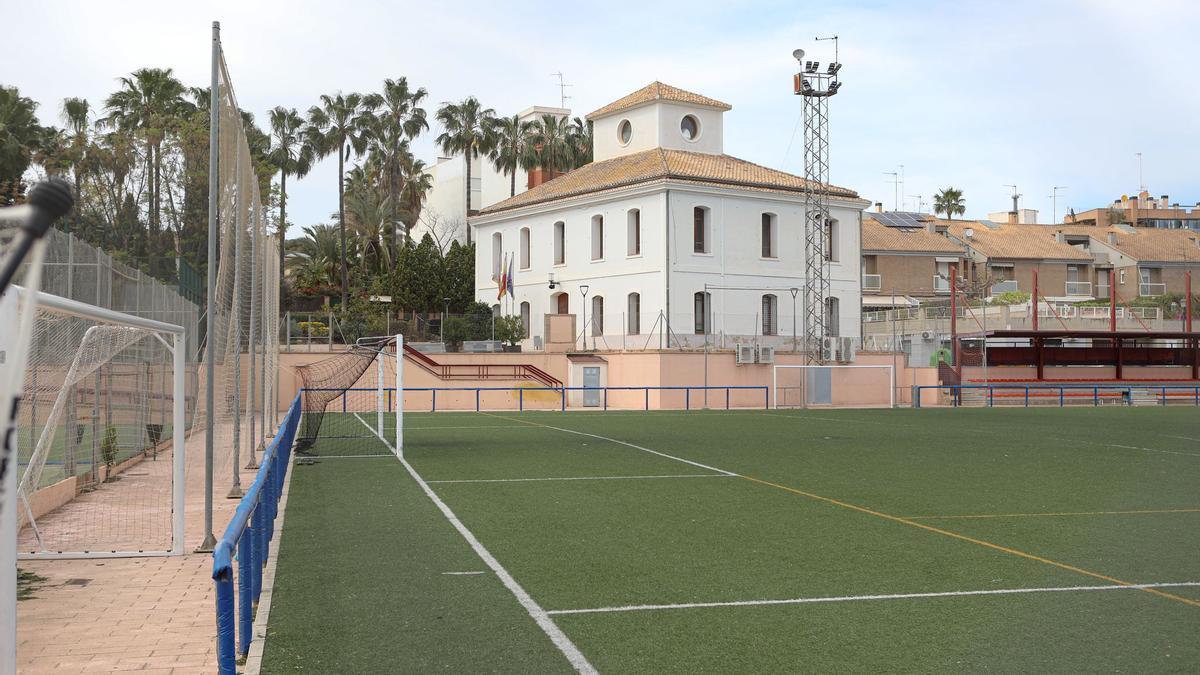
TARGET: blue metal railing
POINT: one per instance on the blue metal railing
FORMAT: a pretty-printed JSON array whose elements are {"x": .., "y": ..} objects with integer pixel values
[
  {"x": 561, "y": 391},
  {"x": 1188, "y": 393},
  {"x": 249, "y": 537}
]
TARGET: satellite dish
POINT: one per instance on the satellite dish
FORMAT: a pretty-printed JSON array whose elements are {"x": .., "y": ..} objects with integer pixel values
[{"x": 798, "y": 54}]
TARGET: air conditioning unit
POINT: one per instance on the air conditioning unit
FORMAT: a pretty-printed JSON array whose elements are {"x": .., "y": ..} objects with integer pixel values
[
  {"x": 846, "y": 350},
  {"x": 928, "y": 335},
  {"x": 766, "y": 354},
  {"x": 743, "y": 354},
  {"x": 829, "y": 346}
]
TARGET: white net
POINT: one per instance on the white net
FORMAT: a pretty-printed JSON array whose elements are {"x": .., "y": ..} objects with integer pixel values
[
  {"x": 833, "y": 386},
  {"x": 94, "y": 438},
  {"x": 245, "y": 334}
]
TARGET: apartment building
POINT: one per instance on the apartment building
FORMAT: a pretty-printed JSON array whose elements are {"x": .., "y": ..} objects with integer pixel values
[
  {"x": 1002, "y": 258},
  {"x": 906, "y": 260},
  {"x": 1140, "y": 261},
  {"x": 1141, "y": 210}
]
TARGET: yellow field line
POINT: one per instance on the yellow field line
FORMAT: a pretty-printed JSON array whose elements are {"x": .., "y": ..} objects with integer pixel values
[
  {"x": 946, "y": 533},
  {"x": 1051, "y": 515},
  {"x": 973, "y": 540}
]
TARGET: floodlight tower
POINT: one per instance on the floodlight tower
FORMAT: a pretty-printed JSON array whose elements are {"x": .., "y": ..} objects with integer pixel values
[{"x": 816, "y": 88}]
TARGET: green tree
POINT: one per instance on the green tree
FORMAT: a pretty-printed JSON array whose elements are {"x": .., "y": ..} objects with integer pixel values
[
  {"x": 580, "y": 135},
  {"x": 75, "y": 113},
  {"x": 291, "y": 156},
  {"x": 341, "y": 123},
  {"x": 20, "y": 135},
  {"x": 400, "y": 119},
  {"x": 147, "y": 106},
  {"x": 552, "y": 143},
  {"x": 949, "y": 201},
  {"x": 510, "y": 147},
  {"x": 460, "y": 275},
  {"x": 466, "y": 131}
]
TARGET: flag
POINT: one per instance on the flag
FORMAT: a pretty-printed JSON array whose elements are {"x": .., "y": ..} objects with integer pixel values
[
  {"x": 501, "y": 280},
  {"x": 510, "y": 275}
]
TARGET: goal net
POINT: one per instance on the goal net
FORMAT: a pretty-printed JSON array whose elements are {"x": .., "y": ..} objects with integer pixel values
[
  {"x": 350, "y": 404},
  {"x": 833, "y": 386},
  {"x": 99, "y": 434}
]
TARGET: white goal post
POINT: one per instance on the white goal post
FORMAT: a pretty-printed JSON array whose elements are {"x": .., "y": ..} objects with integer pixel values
[
  {"x": 833, "y": 385},
  {"x": 126, "y": 375}
]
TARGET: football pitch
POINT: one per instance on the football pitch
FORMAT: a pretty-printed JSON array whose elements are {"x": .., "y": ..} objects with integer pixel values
[{"x": 747, "y": 541}]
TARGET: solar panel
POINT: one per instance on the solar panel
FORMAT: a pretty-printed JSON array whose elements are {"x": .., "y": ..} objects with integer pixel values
[{"x": 900, "y": 219}]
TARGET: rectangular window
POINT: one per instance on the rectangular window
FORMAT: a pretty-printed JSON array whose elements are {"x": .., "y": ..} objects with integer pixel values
[
  {"x": 768, "y": 236},
  {"x": 700, "y": 230},
  {"x": 634, "y": 234},
  {"x": 524, "y": 248},
  {"x": 831, "y": 247},
  {"x": 597, "y": 237},
  {"x": 635, "y": 314},
  {"x": 700, "y": 308},
  {"x": 560, "y": 243}
]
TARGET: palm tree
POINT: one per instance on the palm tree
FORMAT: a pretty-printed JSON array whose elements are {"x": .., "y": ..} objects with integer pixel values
[
  {"x": 342, "y": 122},
  {"x": 147, "y": 104},
  {"x": 401, "y": 105},
  {"x": 511, "y": 147},
  {"x": 950, "y": 202},
  {"x": 552, "y": 139},
  {"x": 291, "y": 155},
  {"x": 580, "y": 135},
  {"x": 466, "y": 130},
  {"x": 75, "y": 113},
  {"x": 312, "y": 260},
  {"x": 416, "y": 182},
  {"x": 19, "y": 136}
]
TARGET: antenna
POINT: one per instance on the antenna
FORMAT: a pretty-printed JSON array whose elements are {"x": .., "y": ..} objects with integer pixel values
[
  {"x": 1015, "y": 197},
  {"x": 1141, "y": 183},
  {"x": 819, "y": 39},
  {"x": 920, "y": 201},
  {"x": 562, "y": 89},
  {"x": 895, "y": 181}
]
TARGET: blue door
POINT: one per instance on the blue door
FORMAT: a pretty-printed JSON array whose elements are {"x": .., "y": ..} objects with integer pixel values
[{"x": 591, "y": 378}]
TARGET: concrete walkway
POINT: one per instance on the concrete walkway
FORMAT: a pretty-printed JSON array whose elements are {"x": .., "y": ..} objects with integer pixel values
[{"x": 152, "y": 615}]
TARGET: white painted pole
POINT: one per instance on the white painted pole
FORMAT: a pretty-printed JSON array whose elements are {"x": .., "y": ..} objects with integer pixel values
[
  {"x": 179, "y": 443},
  {"x": 400, "y": 396},
  {"x": 379, "y": 392}
]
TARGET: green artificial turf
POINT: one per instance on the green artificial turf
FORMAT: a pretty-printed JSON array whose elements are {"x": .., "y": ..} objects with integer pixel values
[{"x": 824, "y": 504}]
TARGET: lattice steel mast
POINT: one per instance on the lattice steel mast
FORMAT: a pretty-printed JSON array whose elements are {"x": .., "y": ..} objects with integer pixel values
[{"x": 815, "y": 88}]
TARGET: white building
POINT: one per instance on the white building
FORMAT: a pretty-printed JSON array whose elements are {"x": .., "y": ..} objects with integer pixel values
[
  {"x": 445, "y": 207},
  {"x": 672, "y": 238}
]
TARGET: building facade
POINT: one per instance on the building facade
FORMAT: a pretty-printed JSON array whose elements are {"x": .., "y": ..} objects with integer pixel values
[
  {"x": 664, "y": 240},
  {"x": 907, "y": 265},
  {"x": 1141, "y": 210}
]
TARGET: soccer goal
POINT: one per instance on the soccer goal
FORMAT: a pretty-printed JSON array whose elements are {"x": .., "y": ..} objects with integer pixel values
[
  {"x": 834, "y": 386},
  {"x": 100, "y": 434},
  {"x": 352, "y": 403}
]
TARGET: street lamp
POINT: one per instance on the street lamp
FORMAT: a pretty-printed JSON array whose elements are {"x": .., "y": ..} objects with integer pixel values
[
  {"x": 583, "y": 288},
  {"x": 445, "y": 311}
]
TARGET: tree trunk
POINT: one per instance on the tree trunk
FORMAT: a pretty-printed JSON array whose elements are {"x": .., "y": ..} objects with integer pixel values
[
  {"x": 282, "y": 226},
  {"x": 512, "y": 189},
  {"x": 467, "y": 215},
  {"x": 342, "y": 221}
]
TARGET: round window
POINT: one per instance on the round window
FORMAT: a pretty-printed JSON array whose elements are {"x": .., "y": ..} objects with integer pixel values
[
  {"x": 689, "y": 126},
  {"x": 625, "y": 132}
]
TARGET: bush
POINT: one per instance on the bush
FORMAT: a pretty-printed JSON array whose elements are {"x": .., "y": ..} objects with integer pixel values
[
  {"x": 454, "y": 332},
  {"x": 109, "y": 446},
  {"x": 510, "y": 330},
  {"x": 1011, "y": 298}
]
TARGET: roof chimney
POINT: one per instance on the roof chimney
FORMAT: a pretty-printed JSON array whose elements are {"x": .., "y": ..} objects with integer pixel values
[
  {"x": 1163, "y": 201},
  {"x": 1112, "y": 238},
  {"x": 1059, "y": 237},
  {"x": 878, "y": 207}
]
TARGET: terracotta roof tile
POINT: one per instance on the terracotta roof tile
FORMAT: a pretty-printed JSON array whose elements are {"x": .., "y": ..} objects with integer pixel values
[
  {"x": 660, "y": 164},
  {"x": 1015, "y": 241},
  {"x": 1144, "y": 244},
  {"x": 879, "y": 237},
  {"x": 657, "y": 91}
]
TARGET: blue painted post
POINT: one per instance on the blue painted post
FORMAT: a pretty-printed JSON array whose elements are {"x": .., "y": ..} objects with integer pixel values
[
  {"x": 343, "y": 401},
  {"x": 647, "y": 389},
  {"x": 606, "y": 398},
  {"x": 1095, "y": 397},
  {"x": 687, "y": 399},
  {"x": 433, "y": 408},
  {"x": 226, "y": 640},
  {"x": 389, "y": 395},
  {"x": 564, "y": 399},
  {"x": 521, "y": 399},
  {"x": 1026, "y": 396},
  {"x": 245, "y": 593},
  {"x": 991, "y": 392},
  {"x": 1062, "y": 396},
  {"x": 766, "y": 398},
  {"x": 476, "y": 400},
  {"x": 727, "y": 398}
]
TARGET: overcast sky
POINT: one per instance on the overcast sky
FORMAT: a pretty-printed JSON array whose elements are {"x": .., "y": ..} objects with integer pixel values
[{"x": 971, "y": 94}]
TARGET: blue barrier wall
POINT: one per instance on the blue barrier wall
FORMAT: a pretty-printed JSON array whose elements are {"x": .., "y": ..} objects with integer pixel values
[
  {"x": 1095, "y": 394},
  {"x": 249, "y": 538},
  {"x": 562, "y": 391}
]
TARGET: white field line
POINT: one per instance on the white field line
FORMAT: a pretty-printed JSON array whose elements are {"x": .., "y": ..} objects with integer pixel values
[
  {"x": 322, "y": 458},
  {"x": 468, "y": 426},
  {"x": 538, "y": 480},
  {"x": 1137, "y": 447},
  {"x": 858, "y": 598},
  {"x": 461, "y": 574},
  {"x": 626, "y": 444},
  {"x": 539, "y": 615},
  {"x": 1183, "y": 438}
]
